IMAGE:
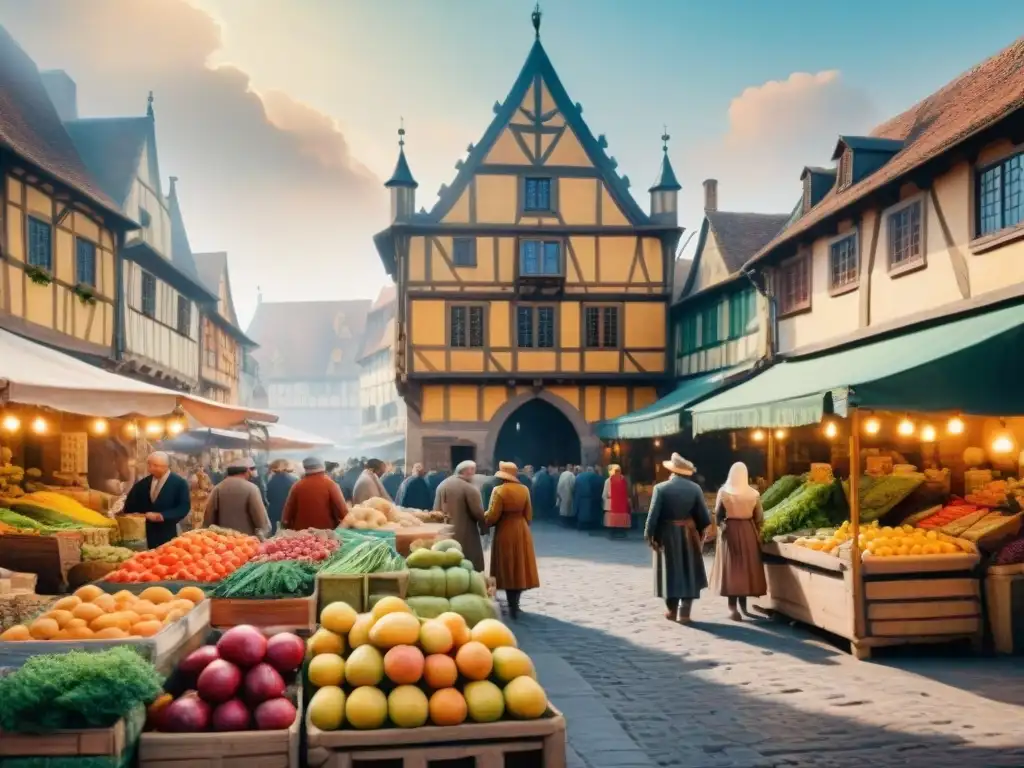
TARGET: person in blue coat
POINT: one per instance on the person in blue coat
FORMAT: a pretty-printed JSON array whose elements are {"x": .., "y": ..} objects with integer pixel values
[
  {"x": 414, "y": 492},
  {"x": 392, "y": 481},
  {"x": 163, "y": 497},
  {"x": 544, "y": 493},
  {"x": 588, "y": 507},
  {"x": 434, "y": 480},
  {"x": 278, "y": 488}
]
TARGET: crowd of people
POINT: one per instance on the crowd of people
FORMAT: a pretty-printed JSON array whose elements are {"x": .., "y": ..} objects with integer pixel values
[{"x": 475, "y": 504}]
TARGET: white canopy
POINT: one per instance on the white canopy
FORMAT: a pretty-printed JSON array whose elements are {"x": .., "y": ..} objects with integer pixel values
[{"x": 32, "y": 374}]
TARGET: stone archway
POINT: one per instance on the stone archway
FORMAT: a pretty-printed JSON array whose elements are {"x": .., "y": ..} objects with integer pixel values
[{"x": 589, "y": 445}]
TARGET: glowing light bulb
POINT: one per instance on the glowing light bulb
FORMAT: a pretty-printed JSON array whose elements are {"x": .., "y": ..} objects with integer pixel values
[
  {"x": 100, "y": 427},
  {"x": 175, "y": 427},
  {"x": 130, "y": 429},
  {"x": 12, "y": 423},
  {"x": 39, "y": 425},
  {"x": 780, "y": 434},
  {"x": 154, "y": 428},
  {"x": 831, "y": 430},
  {"x": 757, "y": 435},
  {"x": 872, "y": 426},
  {"x": 955, "y": 426},
  {"x": 1002, "y": 444},
  {"x": 927, "y": 434},
  {"x": 906, "y": 428}
]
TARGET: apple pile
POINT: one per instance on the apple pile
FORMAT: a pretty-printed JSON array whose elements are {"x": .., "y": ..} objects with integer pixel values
[{"x": 239, "y": 684}]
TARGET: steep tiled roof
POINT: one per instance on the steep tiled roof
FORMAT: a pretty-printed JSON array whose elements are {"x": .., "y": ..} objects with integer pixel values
[
  {"x": 309, "y": 339},
  {"x": 31, "y": 128},
  {"x": 741, "y": 235},
  {"x": 681, "y": 271},
  {"x": 181, "y": 249},
  {"x": 111, "y": 148},
  {"x": 211, "y": 268},
  {"x": 974, "y": 101}
]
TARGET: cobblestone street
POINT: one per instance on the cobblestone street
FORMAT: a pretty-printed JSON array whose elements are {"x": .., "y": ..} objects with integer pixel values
[{"x": 638, "y": 690}]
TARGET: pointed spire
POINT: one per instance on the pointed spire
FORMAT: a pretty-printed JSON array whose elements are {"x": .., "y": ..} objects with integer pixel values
[
  {"x": 535, "y": 18},
  {"x": 149, "y": 105},
  {"x": 402, "y": 177},
  {"x": 666, "y": 181},
  {"x": 173, "y": 193}
]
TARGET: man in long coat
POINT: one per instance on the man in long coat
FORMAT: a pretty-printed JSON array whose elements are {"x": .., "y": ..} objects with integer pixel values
[
  {"x": 460, "y": 501},
  {"x": 543, "y": 494},
  {"x": 586, "y": 500},
  {"x": 563, "y": 494},
  {"x": 414, "y": 492}
]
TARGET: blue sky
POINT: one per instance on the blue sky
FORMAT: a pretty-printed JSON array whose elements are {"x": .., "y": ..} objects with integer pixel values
[{"x": 284, "y": 111}]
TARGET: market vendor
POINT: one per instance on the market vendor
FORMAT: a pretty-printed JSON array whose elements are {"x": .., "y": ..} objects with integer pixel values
[{"x": 162, "y": 496}]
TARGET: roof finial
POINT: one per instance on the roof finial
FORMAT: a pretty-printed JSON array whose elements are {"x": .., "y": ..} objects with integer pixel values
[
  {"x": 664, "y": 138},
  {"x": 149, "y": 105},
  {"x": 401, "y": 131},
  {"x": 535, "y": 17},
  {"x": 174, "y": 187}
]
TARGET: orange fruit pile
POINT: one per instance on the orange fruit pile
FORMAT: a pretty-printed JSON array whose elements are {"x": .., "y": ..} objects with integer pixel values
[
  {"x": 195, "y": 556},
  {"x": 92, "y": 614}
]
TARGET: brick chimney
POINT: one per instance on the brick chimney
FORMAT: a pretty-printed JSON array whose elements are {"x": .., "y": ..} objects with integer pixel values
[
  {"x": 711, "y": 195},
  {"x": 62, "y": 92}
]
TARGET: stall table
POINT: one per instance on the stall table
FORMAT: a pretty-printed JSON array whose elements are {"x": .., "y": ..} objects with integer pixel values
[{"x": 906, "y": 600}]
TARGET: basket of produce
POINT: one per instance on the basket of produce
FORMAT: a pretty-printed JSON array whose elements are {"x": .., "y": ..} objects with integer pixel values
[
  {"x": 98, "y": 537},
  {"x": 236, "y": 699},
  {"x": 131, "y": 527},
  {"x": 202, "y": 555},
  {"x": 268, "y": 593},
  {"x": 343, "y": 577},
  {"x": 415, "y": 686},
  {"x": 96, "y": 712}
]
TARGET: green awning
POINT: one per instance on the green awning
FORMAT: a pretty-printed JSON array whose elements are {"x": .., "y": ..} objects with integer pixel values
[
  {"x": 664, "y": 417},
  {"x": 974, "y": 365}
]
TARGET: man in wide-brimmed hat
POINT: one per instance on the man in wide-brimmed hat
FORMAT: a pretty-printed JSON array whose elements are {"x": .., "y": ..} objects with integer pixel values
[{"x": 674, "y": 530}]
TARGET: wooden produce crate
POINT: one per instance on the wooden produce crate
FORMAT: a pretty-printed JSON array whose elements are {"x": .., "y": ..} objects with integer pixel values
[
  {"x": 331, "y": 588},
  {"x": 163, "y": 649},
  {"x": 242, "y": 749},
  {"x": 111, "y": 587},
  {"x": 282, "y": 613},
  {"x": 396, "y": 584},
  {"x": 49, "y": 557},
  {"x": 534, "y": 743},
  {"x": 404, "y": 537},
  {"x": 116, "y": 743}
]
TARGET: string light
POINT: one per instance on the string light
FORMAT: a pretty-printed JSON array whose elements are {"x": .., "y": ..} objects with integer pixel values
[
  {"x": 1002, "y": 444},
  {"x": 927, "y": 434},
  {"x": 657, "y": 442},
  {"x": 154, "y": 428},
  {"x": 757, "y": 435},
  {"x": 100, "y": 427},
  {"x": 39, "y": 425},
  {"x": 780, "y": 434},
  {"x": 872, "y": 426},
  {"x": 955, "y": 426},
  {"x": 130, "y": 429},
  {"x": 11, "y": 423},
  {"x": 831, "y": 430},
  {"x": 905, "y": 428}
]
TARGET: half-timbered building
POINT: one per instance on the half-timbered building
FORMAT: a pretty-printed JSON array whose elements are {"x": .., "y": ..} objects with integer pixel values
[
  {"x": 223, "y": 344},
  {"x": 61, "y": 232},
  {"x": 160, "y": 288},
  {"x": 533, "y": 296}
]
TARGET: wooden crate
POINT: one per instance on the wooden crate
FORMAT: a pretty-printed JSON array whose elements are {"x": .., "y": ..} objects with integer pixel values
[
  {"x": 243, "y": 749},
  {"x": 396, "y": 584},
  {"x": 331, "y": 588},
  {"x": 163, "y": 649},
  {"x": 534, "y": 743},
  {"x": 284, "y": 613},
  {"x": 110, "y": 742},
  {"x": 49, "y": 557}
]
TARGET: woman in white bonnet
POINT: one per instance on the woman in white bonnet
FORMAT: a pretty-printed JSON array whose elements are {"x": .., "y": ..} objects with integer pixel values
[{"x": 738, "y": 572}]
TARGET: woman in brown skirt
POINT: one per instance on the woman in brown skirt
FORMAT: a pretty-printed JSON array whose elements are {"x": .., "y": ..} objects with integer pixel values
[{"x": 738, "y": 572}]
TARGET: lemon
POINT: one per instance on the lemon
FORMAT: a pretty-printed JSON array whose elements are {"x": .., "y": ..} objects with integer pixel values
[
  {"x": 932, "y": 535},
  {"x": 885, "y": 551},
  {"x": 902, "y": 550},
  {"x": 916, "y": 549}
]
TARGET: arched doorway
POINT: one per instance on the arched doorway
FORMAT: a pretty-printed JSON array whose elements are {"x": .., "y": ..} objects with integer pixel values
[{"x": 537, "y": 433}]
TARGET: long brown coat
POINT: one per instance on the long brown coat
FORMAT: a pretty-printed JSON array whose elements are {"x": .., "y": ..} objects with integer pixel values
[
  {"x": 461, "y": 503},
  {"x": 513, "y": 562}
]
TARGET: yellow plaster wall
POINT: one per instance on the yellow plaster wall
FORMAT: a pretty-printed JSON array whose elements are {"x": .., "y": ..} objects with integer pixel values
[
  {"x": 506, "y": 151},
  {"x": 496, "y": 199},
  {"x": 569, "y": 152},
  {"x": 611, "y": 214},
  {"x": 459, "y": 213},
  {"x": 577, "y": 200},
  {"x": 427, "y": 322},
  {"x": 417, "y": 259},
  {"x": 499, "y": 324},
  {"x": 644, "y": 324}
]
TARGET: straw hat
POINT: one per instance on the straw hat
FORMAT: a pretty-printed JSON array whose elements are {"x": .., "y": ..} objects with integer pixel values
[
  {"x": 679, "y": 466},
  {"x": 280, "y": 465},
  {"x": 507, "y": 471}
]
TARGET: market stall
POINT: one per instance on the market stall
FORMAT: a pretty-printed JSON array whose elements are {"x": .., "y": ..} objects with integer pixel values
[{"x": 893, "y": 556}]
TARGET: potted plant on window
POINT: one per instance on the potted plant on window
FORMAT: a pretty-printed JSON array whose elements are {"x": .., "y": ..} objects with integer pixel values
[
  {"x": 38, "y": 275},
  {"x": 85, "y": 293}
]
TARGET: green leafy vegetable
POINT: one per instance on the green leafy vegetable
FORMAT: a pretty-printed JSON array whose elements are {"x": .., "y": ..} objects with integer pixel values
[
  {"x": 269, "y": 579},
  {"x": 76, "y": 690},
  {"x": 809, "y": 507},
  {"x": 371, "y": 555},
  {"x": 780, "y": 490}
]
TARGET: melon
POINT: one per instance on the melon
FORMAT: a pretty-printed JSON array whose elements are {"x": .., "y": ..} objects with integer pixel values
[{"x": 456, "y": 581}]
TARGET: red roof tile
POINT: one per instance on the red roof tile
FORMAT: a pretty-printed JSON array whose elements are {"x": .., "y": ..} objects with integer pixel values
[
  {"x": 974, "y": 101},
  {"x": 31, "y": 128}
]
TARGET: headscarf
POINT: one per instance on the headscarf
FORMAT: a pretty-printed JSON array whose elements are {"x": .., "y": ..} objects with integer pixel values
[{"x": 738, "y": 484}]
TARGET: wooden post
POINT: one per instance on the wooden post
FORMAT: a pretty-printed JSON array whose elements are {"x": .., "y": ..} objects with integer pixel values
[
  {"x": 770, "y": 443},
  {"x": 855, "y": 563}
]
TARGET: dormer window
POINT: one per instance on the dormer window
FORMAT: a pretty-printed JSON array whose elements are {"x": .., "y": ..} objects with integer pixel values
[{"x": 845, "y": 172}]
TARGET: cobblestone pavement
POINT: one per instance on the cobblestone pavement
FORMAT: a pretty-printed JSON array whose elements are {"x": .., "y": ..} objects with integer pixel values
[{"x": 640, "y": 691}]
